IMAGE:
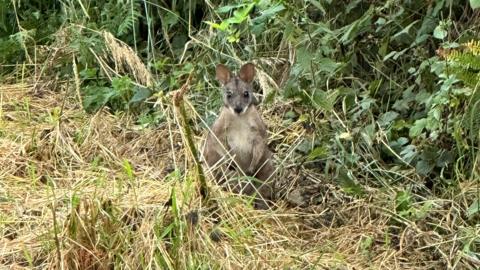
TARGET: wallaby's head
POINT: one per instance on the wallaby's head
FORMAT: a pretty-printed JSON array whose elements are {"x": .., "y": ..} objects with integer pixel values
[{"x": 237, "y": 89}]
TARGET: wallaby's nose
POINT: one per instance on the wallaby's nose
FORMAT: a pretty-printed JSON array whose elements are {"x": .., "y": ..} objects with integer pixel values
[{"x": 238, "y": 110}]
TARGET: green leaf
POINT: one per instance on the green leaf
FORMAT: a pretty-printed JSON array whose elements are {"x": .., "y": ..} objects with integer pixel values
[
  {"x": 228, "y": 8},
  {"x": 418, "y": 127},
  {"x": 272, "y": 11},
  {"x": 128, "y": 169},
  {"x": 474, "y": 208},
  {"x": 141, "y": 94},
  {"x": 318, "y": 5},
  {"x": 408, "y": 153},
  {"x": 97, "y": 96},
  {"x": 439, "y": 32},
  {"x": 404, "y": 32},
  {"x": 240, "y": 15},
  {"x": 348, "y": 184},
  {"x": 475, "y": 4},
  {"x": 424, "y": 167},
  {"x": 327, "y": 65},
  {"x": 403, "y": 201},
  {"x": 358, "y": 27},
  {"x": 323, "y": 100},
  {"x": 387, "y": 118},
  {"x": 290, "y": 115},
  {"x": 222, "y": 26},
  {"x": 304, "y": 58},
  {"x": 318, "y": 153}
]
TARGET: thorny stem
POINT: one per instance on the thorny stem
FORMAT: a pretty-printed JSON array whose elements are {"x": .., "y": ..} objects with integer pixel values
[{"x": 178, "y": 102}]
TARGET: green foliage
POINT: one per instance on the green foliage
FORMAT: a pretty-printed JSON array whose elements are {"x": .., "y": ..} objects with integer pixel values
[
  {"x": 475, "y": 4},
  {"x": 122, "y": 95}
]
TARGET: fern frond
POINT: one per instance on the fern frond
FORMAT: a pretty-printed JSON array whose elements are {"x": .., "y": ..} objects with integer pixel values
[
  {"x": 131, "y": 18},
  {"x": 473, "y": 47}
]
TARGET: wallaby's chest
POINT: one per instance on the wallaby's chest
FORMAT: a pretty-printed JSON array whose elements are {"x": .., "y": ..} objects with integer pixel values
[{"x": 240, "y": 136}]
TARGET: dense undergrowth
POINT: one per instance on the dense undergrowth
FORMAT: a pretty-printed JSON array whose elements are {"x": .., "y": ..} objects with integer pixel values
[{"x": 373, "y": 112}]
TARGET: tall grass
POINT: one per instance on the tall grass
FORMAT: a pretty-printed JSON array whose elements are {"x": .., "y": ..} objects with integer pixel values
[{"x": 371, "y": 112}]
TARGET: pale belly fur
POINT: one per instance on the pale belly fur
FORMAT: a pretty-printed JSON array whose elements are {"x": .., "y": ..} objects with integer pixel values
[{"x": 239, "y": 139}]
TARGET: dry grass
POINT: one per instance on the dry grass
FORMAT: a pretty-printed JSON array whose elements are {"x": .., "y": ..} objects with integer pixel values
[{"x": 83, "y": 191}]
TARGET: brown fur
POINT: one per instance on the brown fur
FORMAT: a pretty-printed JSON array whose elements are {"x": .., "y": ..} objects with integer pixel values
[{"x": 240, "y": 132}]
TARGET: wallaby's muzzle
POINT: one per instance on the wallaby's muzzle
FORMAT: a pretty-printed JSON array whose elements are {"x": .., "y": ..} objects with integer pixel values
[{"x": 238, "y": 110}]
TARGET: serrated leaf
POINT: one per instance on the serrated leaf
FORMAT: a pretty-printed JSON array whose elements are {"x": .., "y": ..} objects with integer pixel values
[
  {"x": 424, "y": 167},
  {"x": 417, "y": 127},
  {"x": 408, "y": 153},
  {"x": 272, "y": 10},
  {"x": 323, "y": 100},
  {"x": 304, "y": 58},
  {"x": 96, "y": 97},
  {"x": 141, "y": 94},
  {"x": 387, "y": 118},
  {"x": 327, "y": 65},
  {"x": 305, "y": 146}
]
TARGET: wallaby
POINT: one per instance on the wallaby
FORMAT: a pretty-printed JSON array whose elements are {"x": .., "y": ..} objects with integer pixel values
[{"x": 240, "y": 133}]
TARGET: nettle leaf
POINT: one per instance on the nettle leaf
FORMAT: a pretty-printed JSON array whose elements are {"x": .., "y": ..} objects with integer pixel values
[
  {"x": 324, "y": 100},
  {"x": 96, "y": 97},
  {"x": 409, "y": 153},
  {"x": 475, "y": 4},
  {"x": 304, "y": 58},
  {"x": 445, "y": 158},
  {"x": 327, "y": 65},
  {"x": 387, "y": 118},
  {"x": 417, "y": 127},
  {"x": 141, "y": 94},
  {"x": 424, "y": 167},
  {"x": 368, "y": 134},
  {"x": 423, "y": 97}
]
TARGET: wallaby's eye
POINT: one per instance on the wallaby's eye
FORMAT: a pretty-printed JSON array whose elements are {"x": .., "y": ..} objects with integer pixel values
[
  {"x": 246, "y": 94},
  {"x": 229, "y": 94}
]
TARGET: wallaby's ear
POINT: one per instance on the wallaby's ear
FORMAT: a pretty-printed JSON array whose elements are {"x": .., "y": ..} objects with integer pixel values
[
  {"x": 223, "y": 74},
  {"x": 247, "y": 72}
]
